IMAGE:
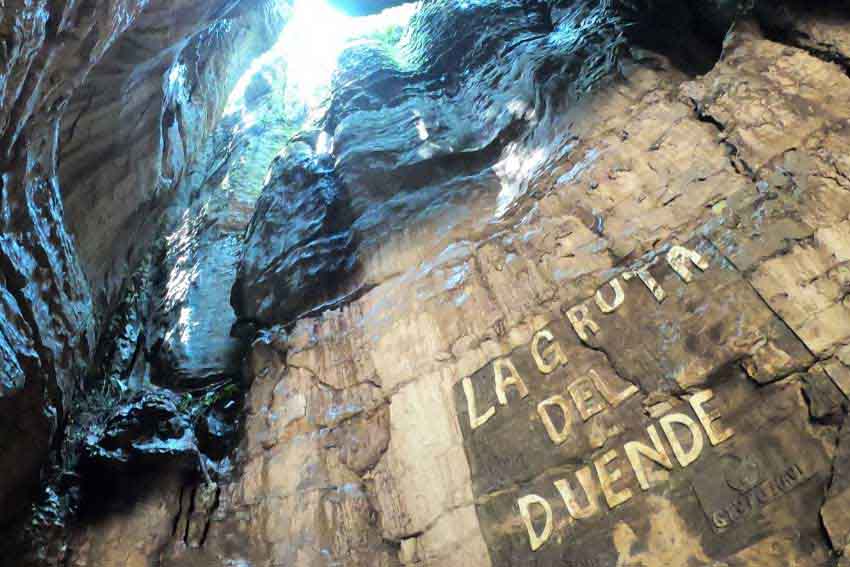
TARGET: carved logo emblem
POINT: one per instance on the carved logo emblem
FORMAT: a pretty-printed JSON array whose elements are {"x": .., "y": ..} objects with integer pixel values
[{"x": 741, "y": 474}]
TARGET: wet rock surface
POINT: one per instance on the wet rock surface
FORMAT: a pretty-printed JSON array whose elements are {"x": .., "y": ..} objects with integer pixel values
[
  {"x": 150, "y": 426},
  {"x": 125, "y": 106},
  {"x": 95, "y": 143},
  {"x": 546, "y": 286},
  {"x": 171, "y": 409},
  {"x": 299, "y": 244}
]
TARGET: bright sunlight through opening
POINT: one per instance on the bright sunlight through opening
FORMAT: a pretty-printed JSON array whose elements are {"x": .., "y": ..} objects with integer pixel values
[{"x": 311, "y": 43}]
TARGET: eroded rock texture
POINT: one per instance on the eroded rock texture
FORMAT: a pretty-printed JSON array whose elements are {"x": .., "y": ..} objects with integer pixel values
[
  {"x": 166, "y": 398},
  {"x": 104, "y": 108},
  {"x": 565, "y": 284},
  {"x": 686, "y": 414}
]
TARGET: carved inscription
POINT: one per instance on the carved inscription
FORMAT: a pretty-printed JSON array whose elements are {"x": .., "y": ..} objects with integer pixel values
[
  {"x": 589, "y": 395},
  {"x": 744, "y": 505},
  {"x": 565, "y": 441},
  {"x": 686, "y": 437}
]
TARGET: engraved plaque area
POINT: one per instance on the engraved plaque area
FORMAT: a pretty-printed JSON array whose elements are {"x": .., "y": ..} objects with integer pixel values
[{"x": 641, "y": 427}]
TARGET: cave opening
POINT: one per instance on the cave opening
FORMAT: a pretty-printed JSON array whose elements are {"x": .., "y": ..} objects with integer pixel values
[{"x": 308, "y": 48}]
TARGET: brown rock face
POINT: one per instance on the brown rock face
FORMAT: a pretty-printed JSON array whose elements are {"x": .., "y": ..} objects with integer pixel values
[
  {"x": 609, "y": 327},
  {"x": 554, "y": 290}
]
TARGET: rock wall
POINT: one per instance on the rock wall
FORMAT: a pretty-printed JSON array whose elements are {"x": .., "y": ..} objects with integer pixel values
[
  {"x": 175, "y": 83},
  {"x": 595, "y": 309},
  {"x": 103, "y": 112},
  {"x": 161, "y": 438}
]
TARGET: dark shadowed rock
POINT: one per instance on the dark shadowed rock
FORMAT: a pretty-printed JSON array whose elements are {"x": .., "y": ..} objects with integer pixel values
[
  {"x": 102, "y": 108},
  {"x": 150, "y": 429},
  {"x": 300, "y": 242}
]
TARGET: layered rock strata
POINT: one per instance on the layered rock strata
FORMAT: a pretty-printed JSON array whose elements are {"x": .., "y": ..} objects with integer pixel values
[
  {"x": 166, "y": 398},
  {"x": 104, "y": 110},
  {"x": 598, "y": 313}
]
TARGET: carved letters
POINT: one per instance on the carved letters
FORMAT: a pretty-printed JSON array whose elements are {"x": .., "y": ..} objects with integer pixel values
[
  {"x": 589, "y": 395},
  {"x": 635, "y": 401},
  {"x": 758, "y": 497},
  {"x": 679, "y": 258},
  {"x": 682, "y": 433}
]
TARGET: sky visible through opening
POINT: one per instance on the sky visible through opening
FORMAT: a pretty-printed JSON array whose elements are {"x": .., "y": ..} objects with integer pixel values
[{"x": 311, "y": 42}]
